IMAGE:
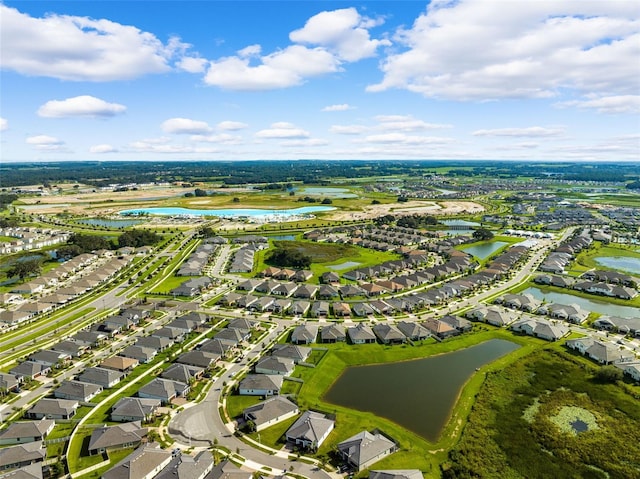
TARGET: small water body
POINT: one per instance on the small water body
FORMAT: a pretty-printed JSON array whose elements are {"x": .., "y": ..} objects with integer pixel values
[
  {"x": 594, "y": 305},
  {"x": 484, "y": 250},
  {"x": 419, "y": 394},
  {"x": 330, "y": 192},
  {"x": 623, "y": 263},
  {"x": 460, "y": 223},
  {"x": 110, "y": 223},
  {"x": 345, "y": 265},
  {"x": 579, "y": 426},
  {"x": 228, "y": 213},
  {"x": 283, "y": 237}
]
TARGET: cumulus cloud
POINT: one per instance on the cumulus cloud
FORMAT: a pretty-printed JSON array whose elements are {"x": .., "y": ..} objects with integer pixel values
[
  {"x": 45, "y": 143},
  {"x": 327, "y": 41},
  {"x": 192, "y": 64},
  {"x": 231, "y": 125},
  {"x": 530, "y": 132},
  {"x": 343, "y": 31},
  {"x": 401, "y": 138},
  {"x": 80, "y": 106},
  {"x": 81, "y": 48},
  {"x": 607, "y": 104},
  {"x": 465, "y": 51},
  {"x": 341, "y": 107},
  {"x": 282, "y": 130},
  {"x": 281, "y": 69},
  {"x": 161, "y": 146},
  {"x": 306, "y": 142},
  {"x": 185, "y": 126},
  {"x": 4, "y": 124},
  {"x": 104, "y": 148},
  {"x": 406, "y": 123},
  {"x": 221, "y": 138}
]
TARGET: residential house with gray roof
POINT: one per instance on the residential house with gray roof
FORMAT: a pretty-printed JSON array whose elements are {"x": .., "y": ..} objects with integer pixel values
[
  {"x": 361, "y": 334},
  {"x": 291, "y": 351},
  {"x": 260, "y": 385},
  {"x": 107, "y": 378},
  {"x": 129, "y": 409},
  {"x": 143, "y": 463},
  {"x": 275, "y": 365},
  {"x": 121, "y": 436},
  {"x": 23, "y": 432},
  {"x": 164, "y": 390},
  {"x": 52, "y": 409},
  {"x": 272, "y": 411},
  {"x": 388, "y": 334},
  {"x": 365, "y": 448},
  {"x": 77, "y": 391},
  {"x": 310, "y": 430},
  {"x": 22, "y": 455},
  {"x": 304, "y": 334}
]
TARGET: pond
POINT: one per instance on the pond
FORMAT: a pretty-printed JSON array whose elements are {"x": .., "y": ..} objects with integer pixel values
[
  {"x": 420, "y": 394},
  {"x": 460, "y": 223},
  {"x": 345, "y": 265},
  {"x": 579, "y": 426},
  {"x": 594, "y": 305},
  {"x": 110, "y": 223},
  {"x": 624, "y": 263},
  {"x": 484, "y": 250},
  {"x": 329, "y": 192},
  {"x": 230, "y": 213},
  {"x": 282, "y": 237}
]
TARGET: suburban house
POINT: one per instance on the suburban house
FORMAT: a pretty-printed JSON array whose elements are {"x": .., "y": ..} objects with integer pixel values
[
  {"x": 600, "y": 351},
  {"x": 260, "y": 385},
  {"x": 270, "y": 412},
  {"x": 632, "y": 370},
  {"x": 201, "y": 359},
  {"x": 457, "y": 323},
  {"x": 107, "y": 378},
  {"x": 23, "y": 432},
  {"x": 297, "y": 353},
  {"x": 130, "y": 409},
  {"x": 183, "y": 373},
  {"x": 439, "y": 328},
  {"x": 141, "y": 353},
  {"x": 154, "y": 343},
  {"x": 365, "y": 448},
  {"x": 388, "y": 334},
  {"x": 143, "y": 463},
  {"x": 622, "y": 325},
  {"x": 361, "y": 334},
  {"x": 77, "y": 391},
  {"x": 540, "y": 328},
  {"x": 275, "y": 365},
  {"x": 304, "y": 334},
  {"x": 22, "y": 455},
  {"x": 165, "y": 390},
  {"x": 120, "y": 363},
  {"x": 28, "y": 370},
  {"x": 396, "y": 474},
  {"x": 310, "y": 430},
  {"x": 413, "y": 331},
  {"x": 120, "y": 436},
  {"x": 184, "y": 466},
  {"x": 52, "y": 409},
  {"x": 333, "y": 333}
]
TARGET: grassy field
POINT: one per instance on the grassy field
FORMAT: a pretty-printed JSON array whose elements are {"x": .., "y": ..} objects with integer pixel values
[
  {"x": 325, "y": 255},
  {"x": 511, "y": 432}
]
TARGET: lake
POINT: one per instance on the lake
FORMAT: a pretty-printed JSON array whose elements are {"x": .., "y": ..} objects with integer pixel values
[
  {"x": 329, "y": 192},
  {"x": 419, "y": 394},
  {"x": 624, "y": 263},
  {"x": 460, "y": 223},
  {"x": 484, "y": 250},
  {"x": 601, "y": 307},
  {"x": 228, "y": 213},
  {"x": 345, "y": 265}
]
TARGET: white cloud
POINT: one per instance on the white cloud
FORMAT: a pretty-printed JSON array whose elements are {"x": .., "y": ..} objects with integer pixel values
[
  {"x": 348, "y": 129},
  {"x": 102, "y": 149},
  {"x": 281, "y": 69},
  {"x": 341, "y": 107},
  {"x": 80, "y": 106},
  {"x": 344, "y": 32},
  {"x": 305, "y": 142},
  {"x": 283, "y": 130},
  {"x": 401, "y": 138},
  {"x": 45, "y": 143},
  {"x": 486, "y": 50},
  {"x": 81, "y": 48},
  {"x": 155, "y": 146},
  {"x": 192, "y": 64},
  {"x": 4, "y": 124},
  {"x": 231, "y": 125},
  {"x": 185, "y": 126},
  {"x": 530, "y": 132},
  {"x": 406, "y": 123},
  {"x": 221, "y": 138},
  {"x": 607, "y": 104}
]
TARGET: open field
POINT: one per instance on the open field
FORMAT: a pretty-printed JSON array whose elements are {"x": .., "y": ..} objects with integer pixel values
[{"x": 511, "y": 432}]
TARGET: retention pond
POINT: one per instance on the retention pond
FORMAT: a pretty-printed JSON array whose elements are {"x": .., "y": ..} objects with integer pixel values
[{"x": 419, "y": 394}]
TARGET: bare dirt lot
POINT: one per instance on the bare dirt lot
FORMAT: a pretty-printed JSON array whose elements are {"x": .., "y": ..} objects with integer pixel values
[{"x": 411, "y": 208}]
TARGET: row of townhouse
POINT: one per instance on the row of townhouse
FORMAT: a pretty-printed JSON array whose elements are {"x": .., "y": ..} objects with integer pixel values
[{"x": 196, "y": 262}]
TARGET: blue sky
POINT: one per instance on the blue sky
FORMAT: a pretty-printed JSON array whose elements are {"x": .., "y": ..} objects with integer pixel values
[{"x": 244, "y": 80}]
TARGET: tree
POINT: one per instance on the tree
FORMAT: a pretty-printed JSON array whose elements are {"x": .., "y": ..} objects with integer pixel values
[
  {"x": 22, "y": 269},
  {"x": 609, "y": 374},
  {"x": 482, "y": 234},
  {"x": 236, "y": 200},
  {"x": 68, "y": 251},
  {"x": 200, "y": 192},
  {"x": 327, "y": 201},
  {"x": 137, "y": 238},
  {"x": 88, "y": 243}
]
